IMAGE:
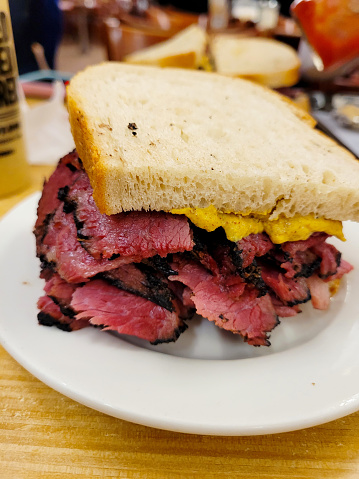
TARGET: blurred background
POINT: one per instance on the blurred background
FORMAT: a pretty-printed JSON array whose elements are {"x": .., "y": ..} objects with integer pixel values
[
  {"x": 75, "y": 33},
  {"x": 307, "y": 49}
]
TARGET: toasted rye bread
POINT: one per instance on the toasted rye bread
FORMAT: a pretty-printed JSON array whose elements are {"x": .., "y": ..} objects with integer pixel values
[
  {"x": 158, "y": 139},
  {"x": 266, "y": 61},
  {"x": 187, "y": 49}
]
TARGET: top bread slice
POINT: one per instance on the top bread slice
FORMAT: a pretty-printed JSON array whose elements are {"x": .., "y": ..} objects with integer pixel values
[
  {"x": 266, "y": 61},
  {"x": 186, "y": 49},
  {"x": 158, "y": 139}
]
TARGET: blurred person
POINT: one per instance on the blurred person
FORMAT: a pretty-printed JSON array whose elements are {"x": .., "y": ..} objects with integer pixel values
[{"x": 35, "y": 21}]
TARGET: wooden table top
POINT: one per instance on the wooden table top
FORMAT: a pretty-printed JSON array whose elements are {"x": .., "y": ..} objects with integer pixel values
[{"x": 43, "y": 434}]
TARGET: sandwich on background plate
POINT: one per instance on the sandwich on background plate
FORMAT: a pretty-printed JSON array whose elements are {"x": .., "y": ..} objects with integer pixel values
[
  {"x": 264, "y": 60},
  {"x": 190, "y": 192}
]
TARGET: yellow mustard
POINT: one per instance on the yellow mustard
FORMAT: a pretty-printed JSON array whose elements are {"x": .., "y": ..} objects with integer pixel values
[{"x": 283, "y": 229}]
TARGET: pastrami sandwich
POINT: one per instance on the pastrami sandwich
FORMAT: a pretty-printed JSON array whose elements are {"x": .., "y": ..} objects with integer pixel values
[{"x": 190, "y": 192}]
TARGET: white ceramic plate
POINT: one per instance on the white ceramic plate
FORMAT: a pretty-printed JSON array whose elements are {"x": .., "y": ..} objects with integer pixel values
[{"x": 209, "y": 382}]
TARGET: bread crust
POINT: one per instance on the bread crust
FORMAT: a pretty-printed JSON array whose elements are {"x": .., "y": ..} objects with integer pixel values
[
  {"x": 181, "y": 60},
  {"x": 275, "y": 80},
  {"x": 203, "y": 139}
]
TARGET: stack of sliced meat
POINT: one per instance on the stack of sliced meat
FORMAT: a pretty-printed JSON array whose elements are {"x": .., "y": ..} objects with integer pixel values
[{"x": 146, "y": 273}]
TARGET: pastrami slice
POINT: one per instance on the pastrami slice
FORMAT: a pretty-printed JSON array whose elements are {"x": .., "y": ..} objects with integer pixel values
[
  {"x": 291, "y": 291},
  {"x": 253, "y": 245},
  {"x": 138, "y": 234},
  {"x": 61, "y": 249},
  {"x": 330, "y": 259},
  {"x": 319, "y": 291},
  {"x": 250, "y": 315},
  {"x": 65, "y": 174},
  {"x": 51, "y": 315},
  {"x": 105, "y": 305},
  {"x": 142, "y": 280}
]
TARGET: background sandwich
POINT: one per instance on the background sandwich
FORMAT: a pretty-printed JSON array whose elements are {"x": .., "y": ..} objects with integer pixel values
[{"x": 194, "y": 192}]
